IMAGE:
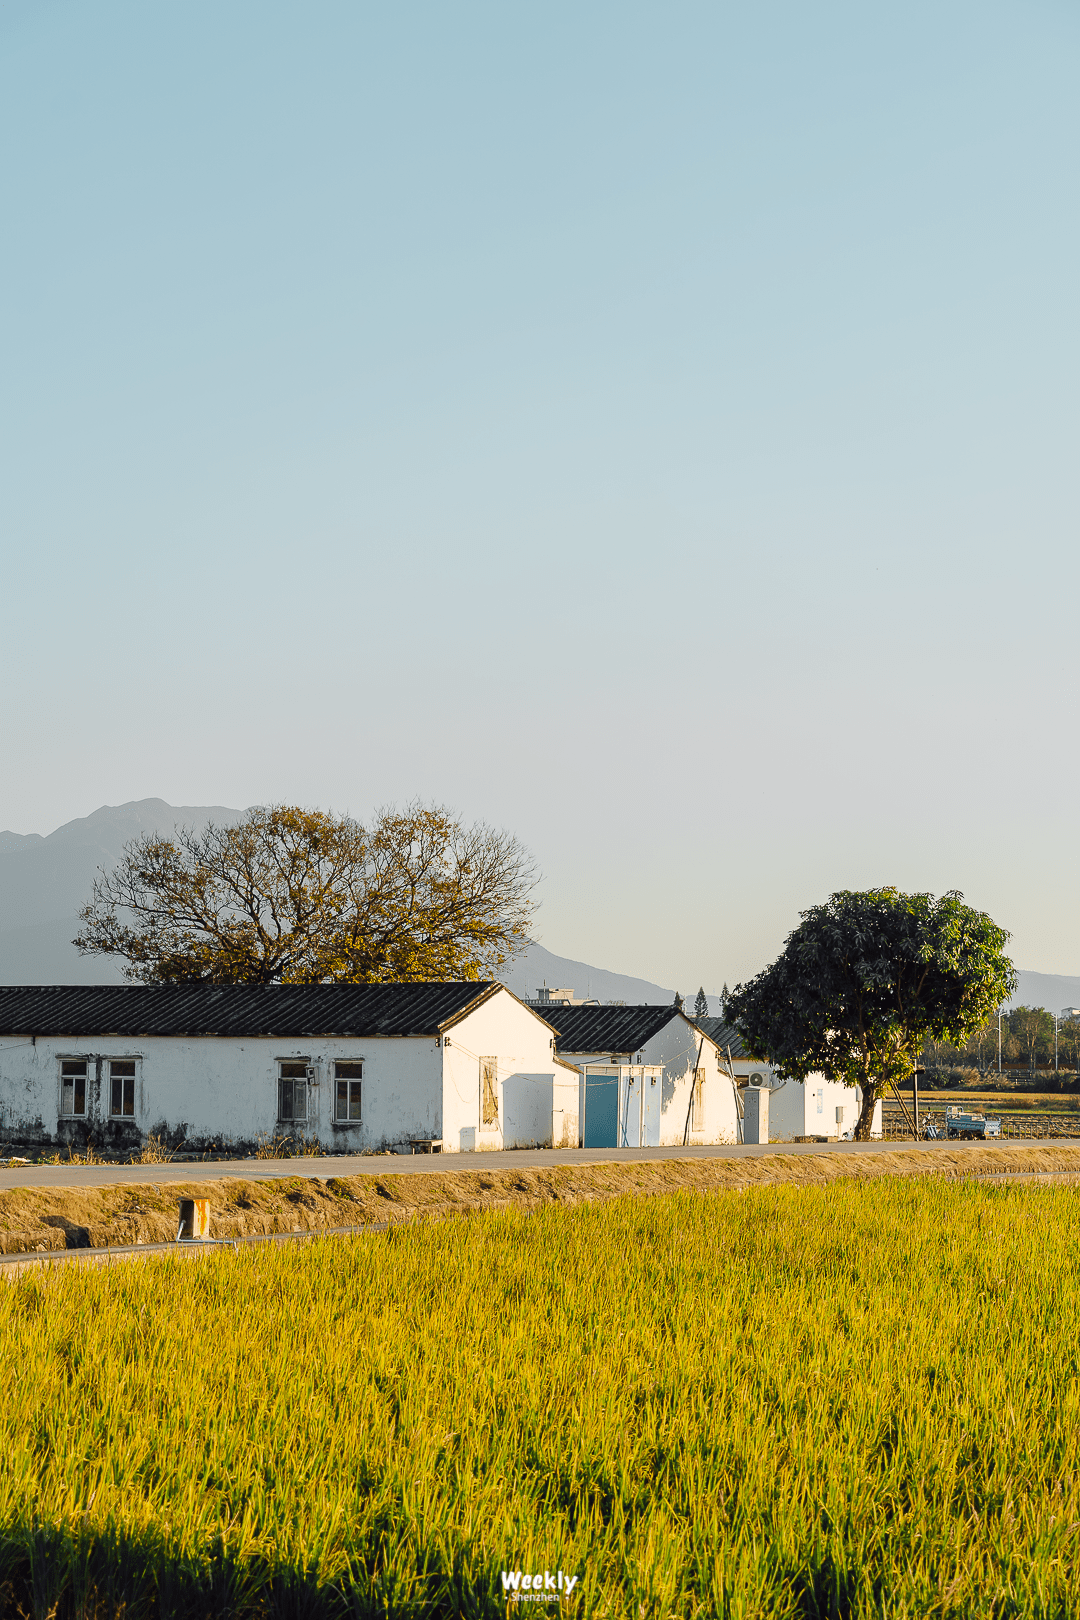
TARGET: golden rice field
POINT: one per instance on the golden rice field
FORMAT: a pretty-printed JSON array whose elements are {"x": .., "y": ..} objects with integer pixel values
[{"x": 850, "y": 1400}]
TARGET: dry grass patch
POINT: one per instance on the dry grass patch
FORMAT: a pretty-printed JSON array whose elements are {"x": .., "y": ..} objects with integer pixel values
[{"x": 43, "y": 1219}]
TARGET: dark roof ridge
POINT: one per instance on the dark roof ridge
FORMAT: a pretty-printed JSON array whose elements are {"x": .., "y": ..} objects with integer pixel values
[
  {"x": 609, "y": 1029},
  {"x": 283, "y": 1010},
  {"x": 725, "y": 1035}
]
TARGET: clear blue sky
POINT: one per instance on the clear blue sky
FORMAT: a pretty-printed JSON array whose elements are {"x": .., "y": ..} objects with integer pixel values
[{"x": 652, "y": 428}]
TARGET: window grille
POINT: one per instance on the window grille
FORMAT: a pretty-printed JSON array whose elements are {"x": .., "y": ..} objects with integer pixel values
[
  {"x": 292, "y": 1091},
  {"x": 73, "y": 1086},
  {"x": 347, "y": 1079},
  {"x": 122, "y": 1088}
]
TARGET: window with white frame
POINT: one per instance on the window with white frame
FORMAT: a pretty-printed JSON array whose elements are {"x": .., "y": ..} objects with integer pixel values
[
  {"x": 121, "y": 1088},
  {"x": 72, "y": 1087},
  {"x": 489, "y": 1092},
  {"x": 292, "y": 1090},
  {"x": 347, "y": 1078}
]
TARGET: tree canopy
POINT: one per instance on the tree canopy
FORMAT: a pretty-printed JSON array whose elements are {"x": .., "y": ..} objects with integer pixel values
[
  {"x": 299, "y": 896},
  {"x": 865, "y": 979},
  {"x": 1027, "y": 1034},
  {"x": 701, "y": 1003},
  {"x": 1034, "y": 1027},
  {"x": 1070, "y": 1039}
]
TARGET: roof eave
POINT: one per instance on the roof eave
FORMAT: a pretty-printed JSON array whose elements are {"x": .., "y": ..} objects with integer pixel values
[
  {"x": 485, "y": 994},
  {"x": 492, "y": 989}
]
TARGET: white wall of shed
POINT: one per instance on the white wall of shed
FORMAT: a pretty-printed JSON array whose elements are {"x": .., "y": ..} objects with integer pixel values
[
  {"x": 501, "y": 1027},
  {"x": 566, "y": 1126},
  {"x": 676, "y": 1048},
  {"x": 787, "y": 1110},
  {"x": 674, "y": 1051},
  {"x": 224, "y": 1089},
  {"x": 793, "y": 1109}
]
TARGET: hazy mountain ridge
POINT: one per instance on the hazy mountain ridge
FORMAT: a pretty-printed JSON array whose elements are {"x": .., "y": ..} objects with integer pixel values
[
  {"x": 539, "y": 967},
  {"x": 14, "y": 841},
  {"x": 44, "y": 880}
]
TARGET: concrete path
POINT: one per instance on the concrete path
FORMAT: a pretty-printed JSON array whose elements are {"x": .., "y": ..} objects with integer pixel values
[
  {"x": 14, "y": 1265},
  {"x": 391, "y": 1164}
]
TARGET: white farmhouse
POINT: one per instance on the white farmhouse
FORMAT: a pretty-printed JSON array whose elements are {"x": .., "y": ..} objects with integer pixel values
[
  {"x": 650, "y": 1077},
  {"x": 812, "y": 1108},
  {"x": 353, "y": 1068}
]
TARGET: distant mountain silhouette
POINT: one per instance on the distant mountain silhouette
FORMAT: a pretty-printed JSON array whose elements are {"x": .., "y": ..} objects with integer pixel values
[
  {"x": 1054, "y": 991},
  {"x": 45, "y": 880},
  {"x": 540, "y": 967}
]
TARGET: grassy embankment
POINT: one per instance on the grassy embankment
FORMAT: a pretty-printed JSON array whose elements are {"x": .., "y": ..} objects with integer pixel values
[
  {"x": 850, "y": 1399},
  {"x": 43, "y": 1219}
]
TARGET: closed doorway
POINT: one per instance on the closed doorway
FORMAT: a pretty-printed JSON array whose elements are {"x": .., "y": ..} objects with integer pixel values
[{"x": 601, "y": 1108}]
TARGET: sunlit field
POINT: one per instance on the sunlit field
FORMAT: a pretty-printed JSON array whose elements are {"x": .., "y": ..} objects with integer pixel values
[{"x": 853, "y": 1400}]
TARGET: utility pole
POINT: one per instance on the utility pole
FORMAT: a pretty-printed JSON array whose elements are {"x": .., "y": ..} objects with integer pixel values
[{"x": 999, "y": 1043}]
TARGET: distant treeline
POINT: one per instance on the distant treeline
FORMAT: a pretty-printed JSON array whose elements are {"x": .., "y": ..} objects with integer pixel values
[{"x": 1027, "y": 1047}]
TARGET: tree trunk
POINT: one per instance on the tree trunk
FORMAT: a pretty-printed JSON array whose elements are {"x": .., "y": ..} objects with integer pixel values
[{"x": 866, "y": 1114}]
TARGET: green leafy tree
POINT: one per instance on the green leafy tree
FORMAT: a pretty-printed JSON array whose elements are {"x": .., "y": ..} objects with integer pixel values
[
  {"x": 725, "y": 997},
  {"x": 1034, "y": 1029},
  {"x": 1069, "y": 1041},
  {"x": 701, "y": 1004},
  {"x": 982, "y": 1044},
  {"x": 865, "y": 980},
  {"x": 979, "y": 1051},
  {"x": 298, "y": 896}
]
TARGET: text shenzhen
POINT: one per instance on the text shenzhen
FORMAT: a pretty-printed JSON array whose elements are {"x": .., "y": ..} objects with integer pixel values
[{"x": 545, "y": 1588}]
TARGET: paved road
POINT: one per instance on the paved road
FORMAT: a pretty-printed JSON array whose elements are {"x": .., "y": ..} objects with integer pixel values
[{"x": 390, "y": 1164}]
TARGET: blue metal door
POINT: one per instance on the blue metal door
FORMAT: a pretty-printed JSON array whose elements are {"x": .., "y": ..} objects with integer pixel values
[{"x": 601, "y": 1109}]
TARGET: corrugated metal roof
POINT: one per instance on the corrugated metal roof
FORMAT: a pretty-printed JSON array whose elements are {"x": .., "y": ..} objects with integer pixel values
[
  {"x": 236, "y": 1009},
  {"x": 725, "y": 1036},
  {"x": 606, "y": 1029}
]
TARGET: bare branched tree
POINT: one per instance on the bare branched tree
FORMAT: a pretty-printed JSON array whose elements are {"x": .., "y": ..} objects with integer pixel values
[{"x": 303, "y": 897}]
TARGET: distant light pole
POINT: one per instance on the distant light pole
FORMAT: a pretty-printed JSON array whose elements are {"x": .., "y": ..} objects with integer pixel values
[{"x": 999, "y": 1043}]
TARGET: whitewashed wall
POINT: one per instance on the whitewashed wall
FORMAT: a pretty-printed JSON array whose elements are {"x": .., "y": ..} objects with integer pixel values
[
  {"x": 674, "y": 1050},
  {"x": 808, "y": 1108},
  {"x": 523, "y": 1044},
  {"x": 222, "y": 1092},
  {"x": 566, "y": 1126},
  {"x": 793, "y": 1105},
  {"x": 213, "y": 1090},
  {"x": 677, "y": 1047}
]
